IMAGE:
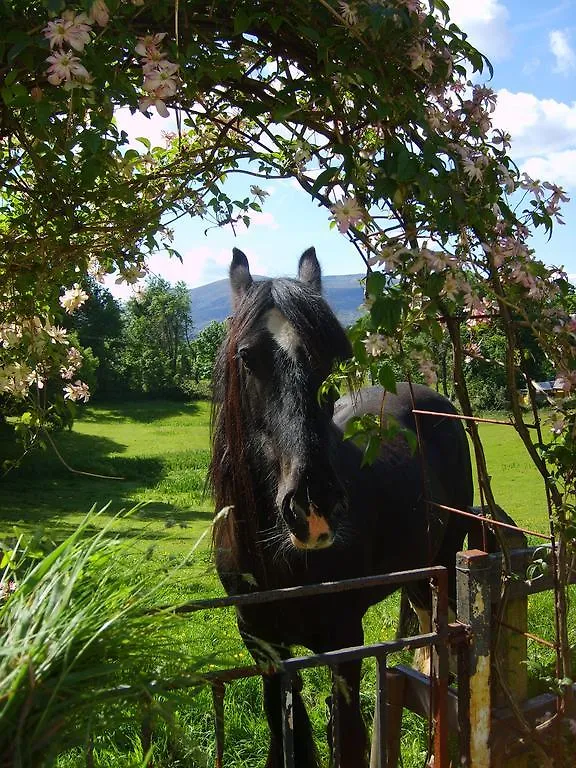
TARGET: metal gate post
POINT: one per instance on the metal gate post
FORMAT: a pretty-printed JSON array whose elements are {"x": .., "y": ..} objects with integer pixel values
[{"x": 474, "y": 609}]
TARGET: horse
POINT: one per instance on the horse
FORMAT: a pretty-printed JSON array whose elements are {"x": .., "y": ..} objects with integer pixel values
[{"x": 295, "y": 504}]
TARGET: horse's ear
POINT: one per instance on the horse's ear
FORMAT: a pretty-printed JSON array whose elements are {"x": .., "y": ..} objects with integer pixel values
[
  {"x": 309, "y": 270},
  {"x": 240, "y": 277}
]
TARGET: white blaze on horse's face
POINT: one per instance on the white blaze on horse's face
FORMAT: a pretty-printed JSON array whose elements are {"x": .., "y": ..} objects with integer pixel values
[
  {"x": 283, "y": 332},
  {"x": 318, "y": 532}
]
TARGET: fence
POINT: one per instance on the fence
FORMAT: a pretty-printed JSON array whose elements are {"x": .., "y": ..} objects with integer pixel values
[
  {"x": 384, "y": 744},
  {"x": 483, "y": 710}
]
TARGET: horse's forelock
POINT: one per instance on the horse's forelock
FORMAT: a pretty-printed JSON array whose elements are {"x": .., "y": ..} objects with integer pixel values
[{"x": 318, "y": 329}]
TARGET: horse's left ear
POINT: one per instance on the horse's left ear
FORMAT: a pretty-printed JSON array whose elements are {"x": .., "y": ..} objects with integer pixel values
[
  {"x": 240, "y": 277},
  {"x": 309, "y": 270}
]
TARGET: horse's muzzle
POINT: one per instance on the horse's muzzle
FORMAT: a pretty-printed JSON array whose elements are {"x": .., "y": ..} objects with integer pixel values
[{"x": 308, "y": 528}]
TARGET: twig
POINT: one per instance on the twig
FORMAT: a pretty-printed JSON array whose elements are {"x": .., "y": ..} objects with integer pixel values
[{"x": 77, "y": 471}]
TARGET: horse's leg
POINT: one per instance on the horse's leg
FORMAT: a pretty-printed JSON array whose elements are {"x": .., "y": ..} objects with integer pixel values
[
  {"x": 351, "y": 736},
  {"x": 305, "y": 755}
]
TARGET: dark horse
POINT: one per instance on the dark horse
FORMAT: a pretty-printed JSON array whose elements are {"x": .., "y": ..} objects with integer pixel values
[{"x": 298, "y": 508}]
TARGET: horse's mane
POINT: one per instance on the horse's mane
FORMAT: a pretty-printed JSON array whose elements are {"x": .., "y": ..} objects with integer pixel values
[{"x": 231, "y": 476}]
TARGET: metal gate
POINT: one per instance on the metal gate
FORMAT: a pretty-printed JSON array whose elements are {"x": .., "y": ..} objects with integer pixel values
[{"x": 439, "y": 640}]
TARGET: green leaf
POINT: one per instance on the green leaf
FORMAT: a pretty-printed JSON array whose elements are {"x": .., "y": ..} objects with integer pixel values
[
  {"x": 386, "y": 377},
  {"x": 242, "y": 21},
  {"x": 143, "y": 140},
  {"x": 324, "y": 178}
]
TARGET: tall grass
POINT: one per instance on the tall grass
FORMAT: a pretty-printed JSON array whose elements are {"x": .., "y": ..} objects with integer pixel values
[{"x": 83, "y": 650}]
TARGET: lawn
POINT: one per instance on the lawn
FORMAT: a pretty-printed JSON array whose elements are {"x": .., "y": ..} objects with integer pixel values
[{"x": 155, "y": 454}]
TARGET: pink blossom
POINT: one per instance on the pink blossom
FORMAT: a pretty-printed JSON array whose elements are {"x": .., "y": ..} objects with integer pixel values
[
  {"x": 71, "y": 28},
  {"x": 99, "y": 12},
  {"x": 65, "y": 66},
  {"x": 347, "y": 213},
  {"x": 161, "y": 81},
  {"x": 146, "y": 102},
  {"x": 77, "y": 391},
  {"x": 420, "y": 57},
  {"x": 73, "y": 298},
  {"x": 149, "y": 43}
]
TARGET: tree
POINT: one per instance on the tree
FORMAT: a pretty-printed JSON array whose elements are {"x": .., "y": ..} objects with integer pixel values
[
  {"x": 155, "y": 355},
  {"x": 204, "y": 348},
  {"x": 98, "y": 326}
]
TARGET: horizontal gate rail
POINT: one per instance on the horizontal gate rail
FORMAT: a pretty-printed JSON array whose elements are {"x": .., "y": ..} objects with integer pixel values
[{"x": 309, "y": 590}]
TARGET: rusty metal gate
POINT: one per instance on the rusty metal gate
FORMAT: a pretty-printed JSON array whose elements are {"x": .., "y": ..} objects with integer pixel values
[{"x": 433, "y": 696}]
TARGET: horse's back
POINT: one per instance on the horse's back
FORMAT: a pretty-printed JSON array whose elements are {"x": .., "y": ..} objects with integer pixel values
[{"x": 440, "y": 468}]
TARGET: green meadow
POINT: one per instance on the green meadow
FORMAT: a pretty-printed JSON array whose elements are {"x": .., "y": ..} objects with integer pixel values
[{"x": 155, "y": 455}]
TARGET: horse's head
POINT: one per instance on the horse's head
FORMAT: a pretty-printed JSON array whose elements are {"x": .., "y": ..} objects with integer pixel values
[{"x": 282, "y": 343}]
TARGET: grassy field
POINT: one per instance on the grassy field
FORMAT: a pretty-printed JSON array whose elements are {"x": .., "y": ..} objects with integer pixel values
[{"x": 160, "y": 452}]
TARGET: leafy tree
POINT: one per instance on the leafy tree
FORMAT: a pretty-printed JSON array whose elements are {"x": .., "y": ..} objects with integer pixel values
[
  {"x": 98, "y": 326},
  {"x": 204, "y": 348},
  {"x": 155, "y": 355}
]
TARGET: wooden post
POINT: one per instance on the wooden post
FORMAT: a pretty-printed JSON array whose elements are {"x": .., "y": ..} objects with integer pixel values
[
  {"x": 474, "y": 609},
  {"x": 510, "y": 649}
]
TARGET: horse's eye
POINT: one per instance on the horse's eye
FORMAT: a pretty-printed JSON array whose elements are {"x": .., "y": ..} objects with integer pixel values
[{"x": 249, "y": 357}]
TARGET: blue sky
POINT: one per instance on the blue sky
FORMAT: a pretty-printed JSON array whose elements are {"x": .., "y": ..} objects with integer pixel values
[{"x": 532, "y": 46}]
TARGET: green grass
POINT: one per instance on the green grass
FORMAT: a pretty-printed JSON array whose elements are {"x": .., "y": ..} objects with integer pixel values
[{"x": 160, "y": 450}]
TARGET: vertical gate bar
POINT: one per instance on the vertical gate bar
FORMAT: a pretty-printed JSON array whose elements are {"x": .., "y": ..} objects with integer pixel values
[
  {"x": 475, "y": 610},
  {"x": 380, "y": 735},
  {"x": 218, "y": 692},
  {"x": 336, "y": 683},
  {"x": 287, "y": 704},
  {"x": 440, "y": 669}
]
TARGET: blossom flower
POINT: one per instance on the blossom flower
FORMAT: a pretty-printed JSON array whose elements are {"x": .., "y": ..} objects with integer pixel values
[
  {"x": 73, "y": 298},
  {"x": 161, "y": 81},
  {"x": 558, "y": 194},
  {"x": 145, "y": 103},
  {"x": 376, "y": 344},
  {"x": 71, "y": 29},
  {"x": 420, "y": 57},
  {"x": 7, "y": 588},
  {"x": 132, "y": 274},
  {"x": 149, "y": 43},
  {"x": 64, "y": 67},
  {"x": 14, "y": 379},
  {"x": 472, "y": 169},
  {"x": 99, "y": 12},
  {"x": 347, "y": 213},
  {"x": 532, "y": 185},
  {"x": 57, "y": 334},
  {"x": 77, "y": 391},
  {"x": 258, "y": 192}
]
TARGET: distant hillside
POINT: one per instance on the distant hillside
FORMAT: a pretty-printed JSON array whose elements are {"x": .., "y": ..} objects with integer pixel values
[{"x": 212, "y": 302}]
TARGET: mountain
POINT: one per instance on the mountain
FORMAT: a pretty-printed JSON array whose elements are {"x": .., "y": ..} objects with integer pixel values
[{"x": 212, "y": 302}]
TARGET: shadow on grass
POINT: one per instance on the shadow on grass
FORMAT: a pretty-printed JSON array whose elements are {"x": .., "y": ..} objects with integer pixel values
[
  {"x": 42, "y": 491},
  {"x": 142, "y": 411}
]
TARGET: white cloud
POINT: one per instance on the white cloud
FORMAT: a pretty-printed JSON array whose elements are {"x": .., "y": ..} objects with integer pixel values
[
  {"x": 486, "y": 24},
  {"x": 558, "y": 167},
  {"x": 537, "y": 126},
  {"x": 563, "y": 53},
  {"x": 138, "y": 124},
  {"x": 262, "y": 219}
]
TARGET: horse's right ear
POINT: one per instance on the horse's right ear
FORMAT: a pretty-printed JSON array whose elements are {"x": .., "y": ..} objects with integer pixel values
[{"x": 240, "y": 277}]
